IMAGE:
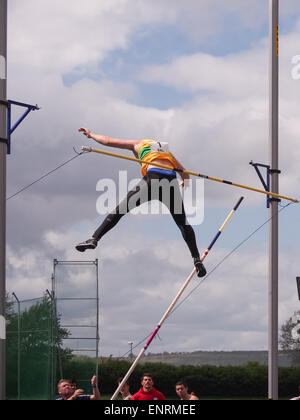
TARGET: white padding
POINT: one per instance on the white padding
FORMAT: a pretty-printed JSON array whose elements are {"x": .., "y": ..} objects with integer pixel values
[
  {"x": 159, "y": 147},
  {"x": 86, "y": 148}
]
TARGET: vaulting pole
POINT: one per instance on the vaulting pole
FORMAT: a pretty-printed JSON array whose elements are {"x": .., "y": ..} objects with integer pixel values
[
  {"x": 273, "y": 230},
  {"x": 175, "y": 300},
  {"x": 159, "y": 165},
  {"x": 3, "y": 151}
]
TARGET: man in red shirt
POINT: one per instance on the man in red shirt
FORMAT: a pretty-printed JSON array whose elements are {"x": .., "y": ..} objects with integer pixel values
[{"x": 148, "y": 392}]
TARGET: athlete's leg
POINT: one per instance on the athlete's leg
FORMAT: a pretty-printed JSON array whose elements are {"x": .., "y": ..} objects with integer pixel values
[
  {"x": 134, "y": 198},
  {"x": 176, "y": 208}
]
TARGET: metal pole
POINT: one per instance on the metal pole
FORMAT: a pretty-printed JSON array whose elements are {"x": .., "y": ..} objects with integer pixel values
[
  {"x": 19, "y": 345},
  {"x": 3, "y": 150},
  {"x": 175, "y": 300},
  {"x": 142, "y": 352},
  {"x": 171, "y": 168},
  {"x": 130, "y": 343},
  {"x": 51, "y": 385},
  {"x": 97, "y": 320},
  {"x": 298, "y": 286},
  {"x": 57, "y": 346},
  {"x": 273, "y": 233}
]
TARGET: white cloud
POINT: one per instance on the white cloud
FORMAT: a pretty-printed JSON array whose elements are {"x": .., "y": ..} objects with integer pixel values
[
  {"x": 27, "y": 272},
  {"x": 65, "y": 36},
  {"x": 217, "y": 132},
  {"x": 76, "y": 35},
  {"x": 138, "y": 281},
  {"x": 229, "y": 112},
  {"x": 236, "y": 75}
]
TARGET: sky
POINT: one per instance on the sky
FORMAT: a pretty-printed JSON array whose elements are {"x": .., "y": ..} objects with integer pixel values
[{"x": 191, "y": 73}]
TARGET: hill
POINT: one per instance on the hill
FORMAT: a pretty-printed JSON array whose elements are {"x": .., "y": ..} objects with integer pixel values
[{"x": 216, "y": 358}]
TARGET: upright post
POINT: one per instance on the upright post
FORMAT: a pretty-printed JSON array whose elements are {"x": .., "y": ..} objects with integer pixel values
[
  {"x": 3, "y": 150},
  {"x": 273, "y": 232},
  {"x": 19, "y": 345},
  {"x": 97, "y": 320},
  {"x": 298, "y": 286}
]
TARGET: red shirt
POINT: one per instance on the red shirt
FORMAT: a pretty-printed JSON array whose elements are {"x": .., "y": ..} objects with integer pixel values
[{"x": 151, "y": 395}]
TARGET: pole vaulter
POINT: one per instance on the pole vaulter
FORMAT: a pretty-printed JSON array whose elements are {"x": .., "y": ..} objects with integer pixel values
[
  {"x": 171, "y": 307},
  {"x": 159, "y": 165}
]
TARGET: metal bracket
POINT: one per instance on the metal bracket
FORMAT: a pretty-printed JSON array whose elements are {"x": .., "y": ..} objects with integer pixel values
[
  {"x": 274, "y": 171},
  {"x": 9, "y": 128},
  {"x": 266, "y": 183},
  {"x": 3, "y": 102}
]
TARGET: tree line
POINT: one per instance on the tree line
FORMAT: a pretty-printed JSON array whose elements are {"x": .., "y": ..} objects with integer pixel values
[
  {"x": 248, "y": 381},
  {"x": 36, "y": 359}
]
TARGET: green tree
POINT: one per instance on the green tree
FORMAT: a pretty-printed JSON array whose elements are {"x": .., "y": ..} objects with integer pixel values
[
  {"x": 34, "y": 340},
  {"x": 290, "y": 337}
]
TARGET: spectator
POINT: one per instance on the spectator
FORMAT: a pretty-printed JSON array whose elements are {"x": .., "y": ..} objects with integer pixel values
[
  {"x": 148, "y": 392},
  {"x": 183, "y": 392},
  {"x": 125, "y": 390},
  {"x": 296, "y": 398},
  {"x": 67, "y": 390},
  {"x": 64, "y": 389}
]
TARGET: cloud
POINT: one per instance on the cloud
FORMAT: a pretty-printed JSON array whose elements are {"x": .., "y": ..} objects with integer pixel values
[
  {"x": 223, "y": 125},
  {"x": 75, "y": 36},
  {"x": 227, "y": 75},
  {"x": 139, "y": 279},
  {"x": 229, "y": 111},
  {"x": 68, "y": 36}
]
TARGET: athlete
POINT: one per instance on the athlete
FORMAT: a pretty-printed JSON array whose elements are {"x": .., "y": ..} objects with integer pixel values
[
  {"x": 148, "y": 392},
  {"x": 183, "y": 392},
  {"x": 156, "y": 184}
]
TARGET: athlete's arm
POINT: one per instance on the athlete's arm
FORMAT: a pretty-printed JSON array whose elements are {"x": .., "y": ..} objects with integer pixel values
[
  {"x": 185, "y": 177},
  {"x": 109, "y": 141}
]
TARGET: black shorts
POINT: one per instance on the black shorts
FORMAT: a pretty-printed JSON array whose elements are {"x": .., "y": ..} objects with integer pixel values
[{"x": 155, "y": 185}]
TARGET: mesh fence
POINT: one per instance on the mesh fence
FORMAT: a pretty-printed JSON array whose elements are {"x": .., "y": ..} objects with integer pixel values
[
  {"x": 75, "y": 286},
  {"x": 44, "y": 335},
  {"x": 29, "y": 349}
]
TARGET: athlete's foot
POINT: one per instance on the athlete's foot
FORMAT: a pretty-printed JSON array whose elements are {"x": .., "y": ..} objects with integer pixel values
[
  {"x": 89, "y": 244},
  {"x": 201, "y": 272}
]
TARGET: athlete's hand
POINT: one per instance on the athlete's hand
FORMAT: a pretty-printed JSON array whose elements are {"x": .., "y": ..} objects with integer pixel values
[
  {"x": 85, "y": 131},
  {"x": 185, "y": 183},
  {"x": 185, "y": 180},
  {"x": 94, "y": 381}
]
